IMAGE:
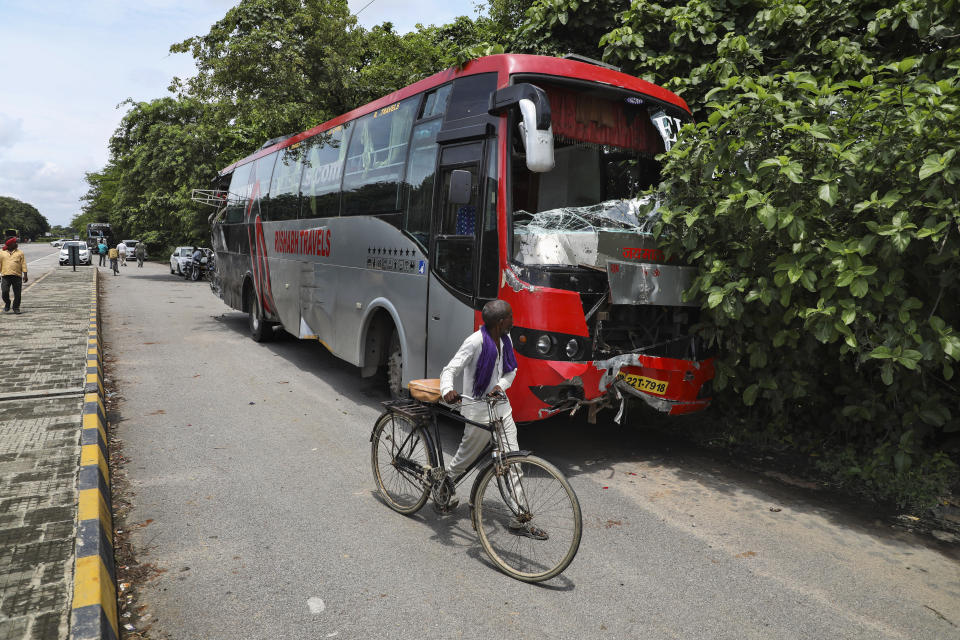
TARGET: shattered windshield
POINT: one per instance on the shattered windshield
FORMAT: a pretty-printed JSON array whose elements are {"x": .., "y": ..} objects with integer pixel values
[
  {"x": 572, "y": 236},
  {"x": 604, "y": 147}
]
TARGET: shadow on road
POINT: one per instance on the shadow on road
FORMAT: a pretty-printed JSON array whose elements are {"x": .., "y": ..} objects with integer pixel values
[
  {"x": 312, "y": 358},
  {"x": 605, "y": 449},
  {"x": 131, "y": 271},
  {"x": 577, "y": 447}
]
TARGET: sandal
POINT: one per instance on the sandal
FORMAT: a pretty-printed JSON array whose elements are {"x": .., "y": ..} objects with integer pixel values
[{"x": 527, "y": 529}]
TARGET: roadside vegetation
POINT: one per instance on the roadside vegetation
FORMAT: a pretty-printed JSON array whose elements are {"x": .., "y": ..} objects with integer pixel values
[
  {"x": 817, "y": 194},
  {"x": 23, "y": 217}
]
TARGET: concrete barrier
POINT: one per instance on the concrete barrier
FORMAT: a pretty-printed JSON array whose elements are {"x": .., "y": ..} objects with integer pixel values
[{"x": 94, "y": 615}]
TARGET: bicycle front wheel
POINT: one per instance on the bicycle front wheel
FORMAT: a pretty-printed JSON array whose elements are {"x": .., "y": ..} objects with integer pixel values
[
  {"x": 400, "y": 459},
  {"x": 514, "y": 508}
]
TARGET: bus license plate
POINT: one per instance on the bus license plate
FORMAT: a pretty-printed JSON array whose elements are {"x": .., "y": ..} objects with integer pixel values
[{"x": 642, "y": 383}]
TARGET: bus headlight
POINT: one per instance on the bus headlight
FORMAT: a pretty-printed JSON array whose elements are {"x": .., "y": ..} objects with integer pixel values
[
  {"x": 572, "y": 347},
  {"x": 543, "y": 344}
]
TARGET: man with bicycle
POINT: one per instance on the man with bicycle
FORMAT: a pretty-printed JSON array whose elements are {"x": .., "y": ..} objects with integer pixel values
[{"x": 488, "y": 364}]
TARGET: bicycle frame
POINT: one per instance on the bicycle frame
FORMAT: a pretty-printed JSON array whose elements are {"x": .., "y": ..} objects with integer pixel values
[
  {"x": 427, "y": 414},
  {"x": 531, "y": 531}
]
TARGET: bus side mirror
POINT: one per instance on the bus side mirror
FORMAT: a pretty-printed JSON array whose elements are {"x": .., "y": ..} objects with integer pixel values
[
  {"x": 460, "y": 187},
  {"x": 535, "y": 128}
]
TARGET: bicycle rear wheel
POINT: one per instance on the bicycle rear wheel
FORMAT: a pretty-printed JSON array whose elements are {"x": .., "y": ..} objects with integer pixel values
[
  {"x": 400, "y": 459},
  {"x": 529, "y": 492}
]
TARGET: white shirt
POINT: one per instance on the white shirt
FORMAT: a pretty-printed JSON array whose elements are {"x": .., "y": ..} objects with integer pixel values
[
  {"x": 465, "y": 361},
  {"x": 122, "y": 248}
]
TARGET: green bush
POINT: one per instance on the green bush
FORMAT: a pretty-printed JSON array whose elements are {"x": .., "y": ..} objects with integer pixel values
[
  {"x": 818, "y": 199},
  {"x": 822, "y": 215}
]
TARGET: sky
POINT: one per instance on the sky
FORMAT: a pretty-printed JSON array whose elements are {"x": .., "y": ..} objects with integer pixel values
[{"x": 69, "y": 64}]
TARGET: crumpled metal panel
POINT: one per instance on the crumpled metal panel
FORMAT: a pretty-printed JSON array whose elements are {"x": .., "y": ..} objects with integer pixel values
[{"x": 644, "y": 283}]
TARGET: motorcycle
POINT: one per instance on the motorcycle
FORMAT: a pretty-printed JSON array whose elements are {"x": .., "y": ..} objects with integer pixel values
[{"x": 195, "y": 270}]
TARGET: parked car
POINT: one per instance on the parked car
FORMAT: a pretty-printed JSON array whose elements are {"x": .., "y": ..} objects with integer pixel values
[
  {"x": 182, "y": 255},
  {"x": 131, "y": 245},
  {"x": 65, "y": 252}
]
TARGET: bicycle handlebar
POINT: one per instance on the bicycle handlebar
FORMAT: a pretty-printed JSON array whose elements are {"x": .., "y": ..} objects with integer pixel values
[{"x": 489, "y": 399}]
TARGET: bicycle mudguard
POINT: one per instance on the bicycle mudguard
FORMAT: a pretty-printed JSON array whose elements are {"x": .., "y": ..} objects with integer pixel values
[{"x": 483, "y": 468}]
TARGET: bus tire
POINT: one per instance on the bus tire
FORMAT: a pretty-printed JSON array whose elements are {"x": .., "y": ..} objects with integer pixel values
[
  {"x": 260, "y": 329},
  {"x": 395, "y": 369}
]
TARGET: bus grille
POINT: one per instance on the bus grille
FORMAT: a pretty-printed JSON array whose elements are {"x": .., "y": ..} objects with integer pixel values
[{"x": 652, "y": 330}]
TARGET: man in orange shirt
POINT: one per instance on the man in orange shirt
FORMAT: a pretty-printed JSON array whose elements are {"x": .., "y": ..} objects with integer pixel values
[{"x": 13, "y": 265}]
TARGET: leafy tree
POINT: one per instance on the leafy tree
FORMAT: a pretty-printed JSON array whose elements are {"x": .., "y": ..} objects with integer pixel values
[
  {"x": 99, "y": 199},
  {"x": 388, "y": 61},
  {"x": 163, "y": 150},
  {"x": 23, "y": 217},
  {"x": 282, "y": 66},
  {"x": 60, "y": 231},
  {"x": 559, "y": 27}
]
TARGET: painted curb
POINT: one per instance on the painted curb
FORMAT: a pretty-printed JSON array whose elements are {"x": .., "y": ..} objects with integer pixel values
[{"x": 94, "y": 615}]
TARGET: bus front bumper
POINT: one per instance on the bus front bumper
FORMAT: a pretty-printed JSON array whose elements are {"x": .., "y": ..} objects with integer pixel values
[{"x": 668, "y": 385}]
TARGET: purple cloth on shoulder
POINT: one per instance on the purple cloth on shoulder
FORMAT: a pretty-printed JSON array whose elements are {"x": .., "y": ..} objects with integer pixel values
[{"x": 488, "y": 359}]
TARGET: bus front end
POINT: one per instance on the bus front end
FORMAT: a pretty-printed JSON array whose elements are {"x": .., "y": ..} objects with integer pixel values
[
  {"x": 596, "y": 349},
  {"x": 599, "y": 315}
]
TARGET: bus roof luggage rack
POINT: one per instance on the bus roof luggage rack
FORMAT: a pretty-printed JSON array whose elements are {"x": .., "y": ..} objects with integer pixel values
[
  {"x": 210, "y": 197},
  {"x": 579, "y": 58}
]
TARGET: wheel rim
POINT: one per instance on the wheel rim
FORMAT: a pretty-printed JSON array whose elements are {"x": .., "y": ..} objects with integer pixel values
[
  {"x": 395, "y": 368},
  {"x": 399, "y": 456},
  {"x": 554, "y": 509},
  {"x": 254, "y": 315}
]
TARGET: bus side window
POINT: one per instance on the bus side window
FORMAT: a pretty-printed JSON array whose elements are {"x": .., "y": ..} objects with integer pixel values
[
  {"x": 239, "y": 193},
  {"x": 285, "y": 186},
  {"x": 471, "y": 96},
  {"x": 421, "y": 172},
  {"x": 322, "y": 170},
  {"x": 435, "y": 103},
  {"x": 263, "y": 174},
  {"x": 376, "y": 159}
]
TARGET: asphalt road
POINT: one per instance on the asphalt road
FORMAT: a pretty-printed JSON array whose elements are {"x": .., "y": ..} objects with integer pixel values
[
  {"x": 253, "y": 499},
  {"x": 41, "y": 257}
]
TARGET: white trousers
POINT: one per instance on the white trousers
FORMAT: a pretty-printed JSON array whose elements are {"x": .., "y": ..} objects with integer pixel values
[{"x": 473, "y": 442}]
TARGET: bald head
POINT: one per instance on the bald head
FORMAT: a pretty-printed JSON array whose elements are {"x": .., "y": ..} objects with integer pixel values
[{"x": 495, "y": 311}]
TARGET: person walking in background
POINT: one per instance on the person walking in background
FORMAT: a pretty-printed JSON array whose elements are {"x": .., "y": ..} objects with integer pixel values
[
  {"x": 13, "y": 268},
  {"x": 122, "y": 250},
  {"x": 141, "y": 253},
  {"x": 114, "y": 255},
  {"x": 102, "y": 251}
]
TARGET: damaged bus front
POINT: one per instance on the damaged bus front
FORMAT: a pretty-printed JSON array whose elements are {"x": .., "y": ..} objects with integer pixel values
[{"x": 599, "y": 313}]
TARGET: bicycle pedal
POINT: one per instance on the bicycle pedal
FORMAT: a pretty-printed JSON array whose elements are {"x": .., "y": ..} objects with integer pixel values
[{"x": 443, "y": 510}]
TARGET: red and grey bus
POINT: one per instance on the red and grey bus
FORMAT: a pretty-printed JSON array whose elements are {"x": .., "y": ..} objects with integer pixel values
[{"x": 383, "y": 232}]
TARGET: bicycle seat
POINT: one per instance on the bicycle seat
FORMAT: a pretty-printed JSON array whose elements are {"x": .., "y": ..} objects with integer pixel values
[{"x": 427, "y": 390}]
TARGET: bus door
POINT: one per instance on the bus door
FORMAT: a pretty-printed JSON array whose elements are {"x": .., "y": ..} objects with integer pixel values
[{"x": 456, "y": 227}]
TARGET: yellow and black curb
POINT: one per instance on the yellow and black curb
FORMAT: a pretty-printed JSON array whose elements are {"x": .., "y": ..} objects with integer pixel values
[{"x": 94, "y": 615}]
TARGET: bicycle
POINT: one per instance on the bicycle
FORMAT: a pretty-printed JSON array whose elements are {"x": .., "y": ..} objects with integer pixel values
[{"x": 512, "y": 492}]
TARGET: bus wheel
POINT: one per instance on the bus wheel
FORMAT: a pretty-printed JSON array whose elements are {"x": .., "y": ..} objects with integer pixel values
[
  {"x": 260, "y": 329},
  {"x": 395, "y": 369}
]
